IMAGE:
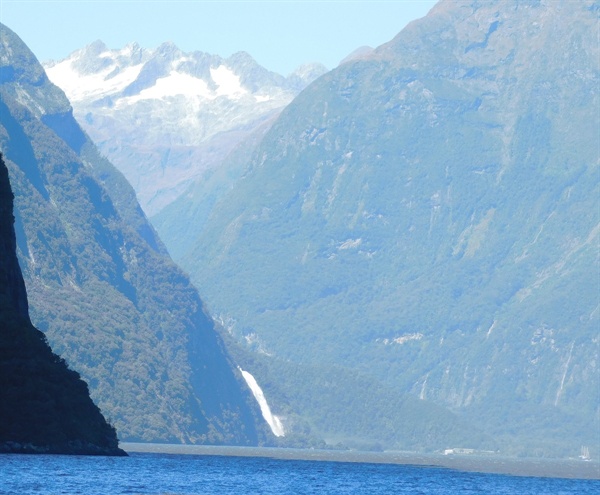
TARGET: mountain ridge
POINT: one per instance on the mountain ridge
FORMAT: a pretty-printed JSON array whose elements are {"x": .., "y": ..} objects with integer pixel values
[
  {"x": 427, "y": 215},
  {"x": 101, "y": 285},
  {"x": 195, "y": 108}
]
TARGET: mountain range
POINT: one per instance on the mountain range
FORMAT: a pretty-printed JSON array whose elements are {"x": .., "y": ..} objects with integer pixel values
[
  {"x": 166, "y": 118},
  {"x": 101, "y": 285},
  {"x": 405, "y": 257},
  {"x": 422, "y": 222}
]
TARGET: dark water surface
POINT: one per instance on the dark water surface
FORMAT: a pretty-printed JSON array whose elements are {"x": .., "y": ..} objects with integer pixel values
[{"x": 223, "y": 472}]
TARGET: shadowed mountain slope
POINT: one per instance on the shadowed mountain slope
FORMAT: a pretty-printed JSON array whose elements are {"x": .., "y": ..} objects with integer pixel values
[
  {"x": 101, "y": 285},
  {"x": 44, "y": 406}
]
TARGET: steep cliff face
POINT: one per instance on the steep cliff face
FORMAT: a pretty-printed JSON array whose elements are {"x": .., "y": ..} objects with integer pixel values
[
  {"x": 428, "y": 214},
  {"x": 14, "y": 295},
  {"x": 100, "y": 284},
  {"x": 44, "y": 406}
]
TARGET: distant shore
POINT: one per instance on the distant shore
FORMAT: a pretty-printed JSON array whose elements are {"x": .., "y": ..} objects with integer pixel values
[
  {"x": 547, "y": 468},
  {"x": 75, "y": 447}
]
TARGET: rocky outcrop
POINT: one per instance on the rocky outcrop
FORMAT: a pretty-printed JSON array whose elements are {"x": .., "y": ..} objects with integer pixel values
[
  {"x": 45, "y": 407},
  {"x": 12, "y": 288}
]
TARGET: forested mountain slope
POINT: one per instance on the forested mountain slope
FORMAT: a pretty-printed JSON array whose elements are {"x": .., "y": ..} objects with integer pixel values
[
  {"x": 44, "y": 406},
  {"x": 427, "y": 215},
  {"x": 101, "y": 285}
]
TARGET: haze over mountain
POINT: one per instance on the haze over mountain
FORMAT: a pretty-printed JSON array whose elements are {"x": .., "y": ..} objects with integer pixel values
[
  {"x": 408, "y": 254},
  {"x": 101, "y": 284},
  {"x": 424, "y": 219},
  {"x": 165, "y": 117},
  {"x": 44, "y": 406}
]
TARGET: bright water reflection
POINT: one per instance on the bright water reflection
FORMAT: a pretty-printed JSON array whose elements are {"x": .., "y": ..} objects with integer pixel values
[{"x": 151, "y": 474}]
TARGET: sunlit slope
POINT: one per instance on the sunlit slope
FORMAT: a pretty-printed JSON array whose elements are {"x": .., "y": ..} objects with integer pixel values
[{"x": 429, "y": 215}]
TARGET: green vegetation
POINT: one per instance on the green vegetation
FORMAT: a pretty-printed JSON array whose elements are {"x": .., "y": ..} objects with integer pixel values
[
  {"x": 44, "y": 406},
  {"x": 425, "y": 219},
  {"x": 100, "y": 284}
]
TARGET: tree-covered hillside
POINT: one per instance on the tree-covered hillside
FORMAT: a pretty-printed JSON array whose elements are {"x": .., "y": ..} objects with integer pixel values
[
  {"x": 428, "y": 216},
  {"x": 101, "y": 285},
  {"x": 44, "y": 406}
]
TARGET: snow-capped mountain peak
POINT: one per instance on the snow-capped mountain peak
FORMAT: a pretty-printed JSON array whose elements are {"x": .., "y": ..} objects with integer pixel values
[
  {"x": 96, "y": 72},
  {"x": 104, "y": 79},
  {"x": 154, "y": 110}
]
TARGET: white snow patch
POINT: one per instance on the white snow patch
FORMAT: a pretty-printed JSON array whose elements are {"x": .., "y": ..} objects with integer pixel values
[
  {"x": 492, "y": 326},
  {"x": 402, "y": 339},
  {"x": 128, "y": 49},
  {"x": 181, "y": 60},
  {"x": 175, "y": 84},
  {"x": 25, "y": 99},
  {"x": 228, "y": 83},
  {"x": 273, "y": 421},
  {"x": 562, "y": 381},
  {"x": 79, "y": 87},
  {"x": 350, "y": 244},
  {"x": 422, "y": 394},
  {"x": 336, "y": 185}
]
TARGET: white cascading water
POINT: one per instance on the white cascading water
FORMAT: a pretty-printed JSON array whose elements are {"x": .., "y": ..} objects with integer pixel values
[{"x": 273, "y": 421}]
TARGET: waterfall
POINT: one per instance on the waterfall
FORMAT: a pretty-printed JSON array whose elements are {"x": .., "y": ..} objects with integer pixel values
[{"x": 273, "y": 421}]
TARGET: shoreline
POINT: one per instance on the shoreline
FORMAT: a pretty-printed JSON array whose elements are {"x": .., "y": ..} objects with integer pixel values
[{"x": 492, "y": 464}]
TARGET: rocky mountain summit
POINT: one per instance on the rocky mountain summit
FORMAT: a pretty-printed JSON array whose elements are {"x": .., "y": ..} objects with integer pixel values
[
  {"x": 165, "y": 117},
  {"x": 426, "y": 215}
]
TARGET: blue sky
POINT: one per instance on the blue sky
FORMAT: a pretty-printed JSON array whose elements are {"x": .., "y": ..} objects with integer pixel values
[{"x": 279, "y": 34}]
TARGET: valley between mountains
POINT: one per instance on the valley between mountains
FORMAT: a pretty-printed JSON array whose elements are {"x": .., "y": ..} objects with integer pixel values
[{"x": 400, "y": 253}]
